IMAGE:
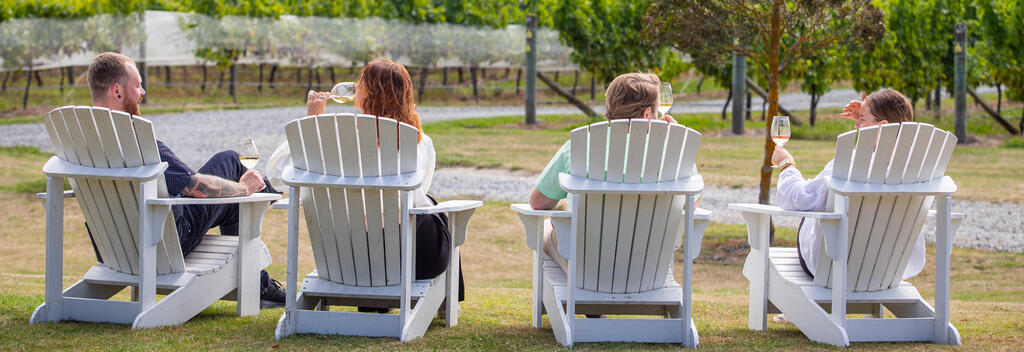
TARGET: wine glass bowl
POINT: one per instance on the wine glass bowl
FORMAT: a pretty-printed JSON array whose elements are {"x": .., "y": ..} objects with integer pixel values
[
  {"x": 665, "y": 98},
  {"x": 344, "y": 92},
  {"x": 780, "y": 130},
  {"x": 248, "y": 154}
]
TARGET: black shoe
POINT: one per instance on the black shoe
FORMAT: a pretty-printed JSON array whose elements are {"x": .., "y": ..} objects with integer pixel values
[
  {"x": 273, "y": 295},
  {"x": 381, "y": 310}
]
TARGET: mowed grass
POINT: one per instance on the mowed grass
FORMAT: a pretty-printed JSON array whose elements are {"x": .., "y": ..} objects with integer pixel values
[
  {"x": 987, "y": 298},
  {"x": 982, "y": 171}
]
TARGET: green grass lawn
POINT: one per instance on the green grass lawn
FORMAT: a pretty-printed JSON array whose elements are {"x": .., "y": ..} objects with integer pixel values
[{"x": 987, "y": 287}]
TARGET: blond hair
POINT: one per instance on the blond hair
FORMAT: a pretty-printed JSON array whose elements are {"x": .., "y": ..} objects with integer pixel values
[{"x": 630, "y": 94}]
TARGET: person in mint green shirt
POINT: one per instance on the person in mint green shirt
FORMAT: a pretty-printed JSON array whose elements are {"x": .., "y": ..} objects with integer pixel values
[{"x": 629, "y": 96}]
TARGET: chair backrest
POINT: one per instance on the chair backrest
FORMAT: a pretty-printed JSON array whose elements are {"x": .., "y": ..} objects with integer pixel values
[
  {"x": 883, "y": 229},
  {"x": 625, "y": 242},
  {"x": 101, "y": 138},
  {"x": 354, "y": 232}
]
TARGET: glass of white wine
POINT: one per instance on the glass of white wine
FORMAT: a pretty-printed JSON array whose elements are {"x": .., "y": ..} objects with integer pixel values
[
  {"x": 780, "y": 130},
  {"x": 248, "y": 154},
  {"x": 666, "y": 98},
  {"x": 344, "y": 92}
]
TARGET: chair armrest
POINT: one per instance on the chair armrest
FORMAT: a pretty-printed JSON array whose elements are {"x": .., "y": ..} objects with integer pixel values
[
  {"x": 941, "y": 186},
  {"x": 67, "y": 194},
  {"x": 459, "y": 212},
  {"x": 575, "y": 184},
  {"x": 55, "y": 167},
  {"x": 525, "y": 209},
  {"x": 533, "y": 222},
  {"x": 282, "y": 203},
  {"x": 775, "y": 210},
  {"x": 255, "y": 197},
  {"x": 298, "y": 177},
  {"x": 448, "y": 207},
  {"x": 701, "y": 214}
]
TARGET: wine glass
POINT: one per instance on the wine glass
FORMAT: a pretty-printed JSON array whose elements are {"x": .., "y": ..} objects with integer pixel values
[
  {"x": 344, "y": 92},
  {"x": 780, "y": 130},
  {"x": 666, "y": 98},
  {"x": 248, "y": 154}
]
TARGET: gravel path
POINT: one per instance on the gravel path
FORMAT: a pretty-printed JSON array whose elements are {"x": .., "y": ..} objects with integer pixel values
[
  {"x": 196, "y": 136},
  {"x": 988, "y": 225}
]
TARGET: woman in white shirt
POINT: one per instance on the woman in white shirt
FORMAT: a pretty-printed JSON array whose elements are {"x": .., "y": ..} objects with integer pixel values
[
  {"x": 796, "y": 193},
  {"x": 385, "y": 89}
]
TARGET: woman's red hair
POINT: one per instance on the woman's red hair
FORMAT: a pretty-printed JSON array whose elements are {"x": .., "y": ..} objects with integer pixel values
[{"x": 385, "y": 89}]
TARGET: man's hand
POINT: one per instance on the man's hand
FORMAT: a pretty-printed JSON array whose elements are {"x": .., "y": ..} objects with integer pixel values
[
  {"x": 668, "y": 118},
  {"x": 253, "y": 182}
]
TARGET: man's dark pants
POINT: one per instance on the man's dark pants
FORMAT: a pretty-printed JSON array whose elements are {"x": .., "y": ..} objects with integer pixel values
[{"x": 196, "y": 220}]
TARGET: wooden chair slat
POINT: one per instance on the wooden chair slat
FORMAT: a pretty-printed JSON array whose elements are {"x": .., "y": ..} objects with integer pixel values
[
  {"x": 370, "y": 157},
  {"x": 145, "y": 140},
  {"x": 844, "y": 155},
  {"x": 901, "y": 154},
  {"x": 295, "y": 145}
]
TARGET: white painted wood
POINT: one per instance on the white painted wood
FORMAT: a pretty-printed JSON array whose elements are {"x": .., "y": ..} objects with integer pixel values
[
  {"x": 622, "y": 213},
  {"x": 884, "y": 213},
  {"x": 108, "y": 154},
  {"x": 368, "y": 205}
]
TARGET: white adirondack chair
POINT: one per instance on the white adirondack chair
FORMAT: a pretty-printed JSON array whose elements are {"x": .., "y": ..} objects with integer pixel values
[
  {"x": 112, "y": 162},
  {"x": 879, "y": 199},
  {"x": 355, "y": 175},
  {"x": 631, "y": 192}
]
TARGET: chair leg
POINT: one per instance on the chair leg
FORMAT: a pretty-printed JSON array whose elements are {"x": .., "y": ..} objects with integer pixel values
[{"x": 451, "y": 304}]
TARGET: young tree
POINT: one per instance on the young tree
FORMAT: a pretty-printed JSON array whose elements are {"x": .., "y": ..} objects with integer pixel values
[
  {"x": 1003, "y": 31},
  {"x": 772, "y": 34}
]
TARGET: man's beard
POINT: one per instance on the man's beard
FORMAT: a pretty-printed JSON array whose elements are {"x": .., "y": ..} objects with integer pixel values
[{"x": 132, "y": 107}]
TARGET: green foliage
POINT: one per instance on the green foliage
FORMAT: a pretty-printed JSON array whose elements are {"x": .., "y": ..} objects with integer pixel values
[
  {"x": 1014, "y": 142},
  {"x": 605, "y": 37},
  {"x": 1001, "y": 51}
]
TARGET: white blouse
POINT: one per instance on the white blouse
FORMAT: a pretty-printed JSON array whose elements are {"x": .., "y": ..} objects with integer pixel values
[
  {"x": 425, "y": 160},
  {"x": 795, "y": 193}
]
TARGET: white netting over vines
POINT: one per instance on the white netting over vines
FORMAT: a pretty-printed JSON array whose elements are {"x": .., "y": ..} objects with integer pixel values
[{"x": 174, "y": 39}]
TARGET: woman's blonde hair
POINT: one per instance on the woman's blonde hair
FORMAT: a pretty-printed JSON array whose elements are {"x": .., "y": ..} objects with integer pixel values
[
  {"x": 890, "y": 105},
  {"x": 385, "y": 89},
  {"x": 629, "y": 94}
]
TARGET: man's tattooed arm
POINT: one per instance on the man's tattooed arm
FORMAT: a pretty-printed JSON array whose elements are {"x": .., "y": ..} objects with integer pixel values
[{"x": 207, "y": 186}]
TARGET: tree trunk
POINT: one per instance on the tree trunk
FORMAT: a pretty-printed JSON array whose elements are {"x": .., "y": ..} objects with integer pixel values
[
  {"x": 1020, "y": 128},
  {"x": 556, "y": 76},
  {"x": 444, "y": 77},
  {"x": 298, "y": 75},
  {"x": 591, "y": 115},
  {"x": 317, "y": 72},
  {"x": 764, "y": 103},
  {"x": 519, "y": 76},
  {"x": 575, "y": 81},
  {"x": 202, "y": 86},
  {"x": 937, "y": 101},
  {"x": 814, "y": 105},
  {"x": 39, "y": 80},
  {"x": 423, "y": 82},
  {"x": 7, "y": 75},
  {"x": 750, "y": 99},
  {"x": 167, "y": 76},
  {"x": 483, "y": 73},
  {"x": 460, "y": 75},
  {"x": 998, "y": 103},
  {"x": 61, "y": 81},
  {"x": 991, "y": 112},
  {"x": 775, "y": 39},
  {"x": 28, "y": 85},
  {"x": 220, "y": 82},
  {"x": 352, "y": 68},
  {"x": 928, "y": 102},
  {"x": 259, "y": 86},
  {"x": 270, "y": 80},
  {"x": 593, "y": 87},
  {"x": 472, "y": 77},
  {"x": 234, "y": 77},
  {"x": 728, "y": 98},
  {"x": 309, "y": 80},
  {"x": 333, "y": 79},
  {"x": 700, "y": 83},
  {"x": 508, "y": 70}
]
